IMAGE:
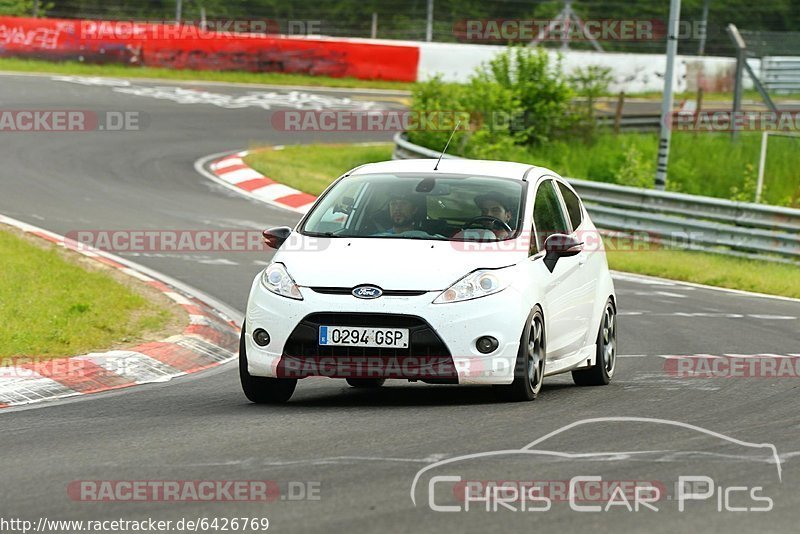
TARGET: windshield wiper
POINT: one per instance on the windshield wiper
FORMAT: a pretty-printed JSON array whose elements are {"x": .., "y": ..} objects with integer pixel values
[{"x": 321, "y": 234}]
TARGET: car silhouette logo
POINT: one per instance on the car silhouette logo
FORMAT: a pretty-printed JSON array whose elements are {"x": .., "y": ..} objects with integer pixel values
[{"x": 367, "y": 292}]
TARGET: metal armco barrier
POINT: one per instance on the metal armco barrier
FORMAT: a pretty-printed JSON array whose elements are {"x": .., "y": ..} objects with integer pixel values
[
  {"x": 688, "y": 221},
  {"x": 781, "y": 74},
  {"x": 632, "y": 123}
]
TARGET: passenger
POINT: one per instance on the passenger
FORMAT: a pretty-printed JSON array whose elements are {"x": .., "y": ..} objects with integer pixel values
[{"x": 498, "y": 206}]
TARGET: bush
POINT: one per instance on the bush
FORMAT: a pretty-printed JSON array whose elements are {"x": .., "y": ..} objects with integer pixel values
[
  {"x": 519, "y": 98},
  {"x": 435, "y": 97},
  {"x": 634, "y": 169},
  {"x": 537, "y": 89},
  {"x": 590, "y": 83},
  {"x": 519, "y": 106},
  {"x": 22, "y": 8}
]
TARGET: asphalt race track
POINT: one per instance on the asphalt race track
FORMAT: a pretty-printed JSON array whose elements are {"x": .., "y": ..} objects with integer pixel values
[{"x": 362, "y": 449}]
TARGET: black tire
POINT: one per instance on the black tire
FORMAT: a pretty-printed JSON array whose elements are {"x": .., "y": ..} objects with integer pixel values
[
  {"x": 602, "y": 371},
  {"x": 529, "y": 367},
  {"x": 259, "y": 389},
  {"x": 366, "y": 383}
]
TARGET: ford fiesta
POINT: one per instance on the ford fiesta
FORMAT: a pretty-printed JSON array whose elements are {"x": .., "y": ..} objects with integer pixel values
[{"x": 469, "y": 272}]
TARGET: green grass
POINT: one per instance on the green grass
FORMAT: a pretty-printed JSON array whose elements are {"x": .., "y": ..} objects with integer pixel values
[
  {"x": 710, "y": 269},
  {"x": 311, "y": 168},
  {"x": 707, "y": 164},
  {"x": 712, "y": 96},
  {"x": 126, "y": 71},
  {"x": 52, "y": 306}
]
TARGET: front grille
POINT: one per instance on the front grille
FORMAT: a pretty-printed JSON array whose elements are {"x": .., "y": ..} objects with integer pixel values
[
  {"x": 386, "y": 292},
  {"x": 426, "y": 356}
]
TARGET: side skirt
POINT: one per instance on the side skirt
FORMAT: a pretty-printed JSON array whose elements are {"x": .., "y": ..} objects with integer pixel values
[{"x": 582, "y": 359}]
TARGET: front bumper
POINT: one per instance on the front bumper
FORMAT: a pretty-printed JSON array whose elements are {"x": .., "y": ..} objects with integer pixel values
[{"x": 455, "y": 328}]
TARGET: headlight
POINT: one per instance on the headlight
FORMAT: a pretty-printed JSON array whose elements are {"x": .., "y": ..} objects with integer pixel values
[
  {"x": 276, "y": 279},
  {"x": 475, "y": 285}
]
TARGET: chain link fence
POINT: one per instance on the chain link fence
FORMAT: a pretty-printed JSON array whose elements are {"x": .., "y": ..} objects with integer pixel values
[{"x": 407, "y": 19}]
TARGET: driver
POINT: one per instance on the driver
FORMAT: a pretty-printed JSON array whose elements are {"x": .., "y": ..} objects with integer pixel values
[
  {"x": 497, "y": 205},
  {"x": 402, "y": 212}
]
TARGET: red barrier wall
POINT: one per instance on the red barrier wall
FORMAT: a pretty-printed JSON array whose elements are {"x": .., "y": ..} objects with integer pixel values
[{"x": 186, "y": 47}]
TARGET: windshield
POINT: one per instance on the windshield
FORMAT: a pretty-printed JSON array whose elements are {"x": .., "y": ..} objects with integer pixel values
[{"x": 419, "y": 206}]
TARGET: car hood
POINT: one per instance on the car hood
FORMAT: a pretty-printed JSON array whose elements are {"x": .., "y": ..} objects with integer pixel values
[{"x": 390, "y": 263}]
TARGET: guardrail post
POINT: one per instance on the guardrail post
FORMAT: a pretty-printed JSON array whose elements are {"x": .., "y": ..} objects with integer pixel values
[
  {"x": 762, "y": 161},
  {"x": 666, "y": 103},
  {"x": 618, "y": 112},
  {"x": 429, "y": 23}
]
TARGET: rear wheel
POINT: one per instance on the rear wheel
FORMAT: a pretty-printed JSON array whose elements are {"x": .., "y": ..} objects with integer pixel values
[
  {"x": 366, "y": 383},
  {"x": 606, "y": 360},
  {"x": 529, "y": 368},
  {"x": 260, "y": 389}
]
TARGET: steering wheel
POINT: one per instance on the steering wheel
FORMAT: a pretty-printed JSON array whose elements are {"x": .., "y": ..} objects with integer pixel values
[{"x": 495, "y": 222}]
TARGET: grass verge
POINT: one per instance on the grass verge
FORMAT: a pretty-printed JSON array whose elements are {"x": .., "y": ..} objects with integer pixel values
[
  {"x": 701, "y": 163},
  {"x": 126, "y": 71},
  {"x": 311, "y": 168},
  {"x": 712, "y": 96},
  {"x": 709, "y": 269},
  {"x": 57, "y": 303}
]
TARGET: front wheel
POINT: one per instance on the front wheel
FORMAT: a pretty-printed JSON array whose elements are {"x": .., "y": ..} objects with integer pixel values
[
  {"x": 261, "y": 389},
  {"x": 606, "y": 360},
  {"x": 529, "y": 368}
]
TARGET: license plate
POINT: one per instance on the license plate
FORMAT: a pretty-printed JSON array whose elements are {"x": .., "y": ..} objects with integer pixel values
[{"x": 359, "y": 336}]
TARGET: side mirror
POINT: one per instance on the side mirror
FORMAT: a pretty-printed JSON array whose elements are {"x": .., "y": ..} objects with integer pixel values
[
  {"x": 274, "y": 237},
  {"x": 560, "y": 246},
  {"x": 345, "y": 205}
]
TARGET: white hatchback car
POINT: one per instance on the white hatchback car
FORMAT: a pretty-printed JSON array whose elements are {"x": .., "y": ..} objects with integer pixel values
[{"x": 480, "y": 272}]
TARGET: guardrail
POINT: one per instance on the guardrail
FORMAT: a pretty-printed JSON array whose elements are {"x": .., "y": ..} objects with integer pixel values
[
  {"x": 781, "y": 74},
  {"x": 688, "y": 221},
  {"x": 645, "y": 122}
]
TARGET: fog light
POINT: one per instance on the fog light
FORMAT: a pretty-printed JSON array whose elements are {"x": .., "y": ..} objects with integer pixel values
[
  {"x": 486, "y": 344},
  {"x": 261, "y": 337}
]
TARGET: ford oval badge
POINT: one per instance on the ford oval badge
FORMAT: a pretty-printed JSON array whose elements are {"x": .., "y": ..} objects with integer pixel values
[{"x": 367, "y": 292}]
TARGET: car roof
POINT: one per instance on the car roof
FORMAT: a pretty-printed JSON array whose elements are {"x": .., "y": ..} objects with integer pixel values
[{"x": 471, "y": 167}]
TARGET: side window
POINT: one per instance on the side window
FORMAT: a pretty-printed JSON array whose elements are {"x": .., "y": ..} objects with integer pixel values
[
  {"x": 573, "y": 205},
  {"x": 548, "y": 217}
]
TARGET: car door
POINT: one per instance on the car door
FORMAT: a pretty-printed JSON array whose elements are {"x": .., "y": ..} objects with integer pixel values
[
  {"x": 585, "y": 278},
  {"x": 563, "y": 294}
]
